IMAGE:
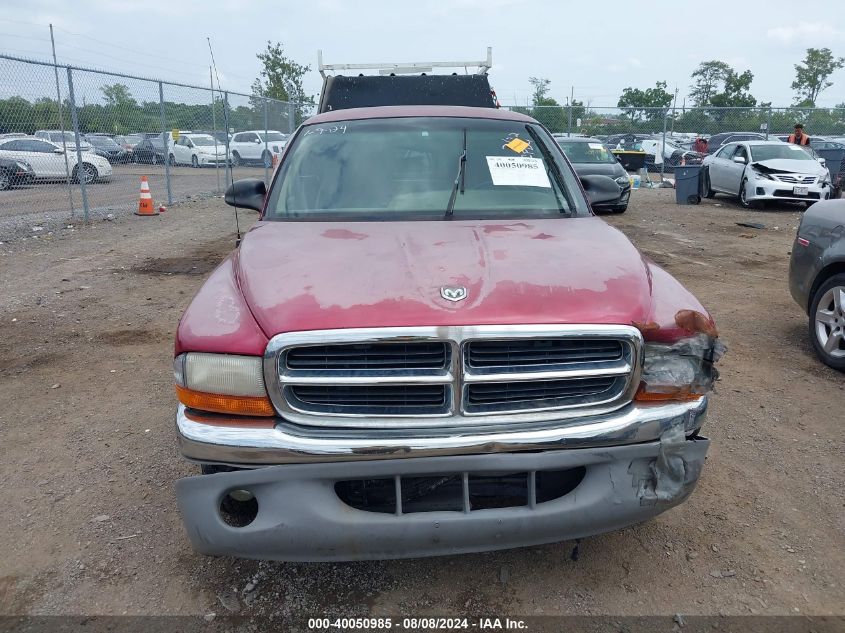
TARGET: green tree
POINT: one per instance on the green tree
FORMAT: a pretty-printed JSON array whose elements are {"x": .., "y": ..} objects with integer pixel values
[
  {"x": 811, "y": 76},
  {"x": 281, "y": 78},
  {"x": 736, "y": 91},
  {"x": 648, "y": 103},
  {"x": 707, "y": 79},
  {"x": 541, "y": 89}
]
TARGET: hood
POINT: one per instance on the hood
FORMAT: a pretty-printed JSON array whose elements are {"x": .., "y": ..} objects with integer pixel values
[
  {"x": 612, "y": 170},
  {"x": 789, "y": 166},
  {"x": 313, "y": 275}
]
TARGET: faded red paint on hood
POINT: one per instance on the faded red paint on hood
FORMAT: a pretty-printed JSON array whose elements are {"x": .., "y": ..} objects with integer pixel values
[{"x": 310, "y": 275}]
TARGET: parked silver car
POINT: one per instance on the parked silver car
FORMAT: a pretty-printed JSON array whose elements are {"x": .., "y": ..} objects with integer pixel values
[
  {"x": 757, "y": 171},
  {"x": 817, "y": 279}
]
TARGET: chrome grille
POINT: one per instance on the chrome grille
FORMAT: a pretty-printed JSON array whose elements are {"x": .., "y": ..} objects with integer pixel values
[
  {"x": 366, "y": 356},
  {"x": 371, "y": 399},
  {"x": 803, "y": 180},
  {"x": 425, "y": 377},
  {"x": 540, "y": 354},
  {"x": 538, "y": 394}
]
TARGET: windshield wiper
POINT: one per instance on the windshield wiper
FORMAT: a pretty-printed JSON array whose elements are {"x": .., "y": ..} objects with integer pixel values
[{"x": 459, "y": 180}]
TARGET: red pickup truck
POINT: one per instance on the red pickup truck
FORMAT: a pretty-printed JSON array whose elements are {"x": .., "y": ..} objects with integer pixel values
[{"x": 428, "y": 344}]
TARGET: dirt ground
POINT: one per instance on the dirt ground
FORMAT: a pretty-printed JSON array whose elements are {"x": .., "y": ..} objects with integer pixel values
[{"x": 88, "y": 457}]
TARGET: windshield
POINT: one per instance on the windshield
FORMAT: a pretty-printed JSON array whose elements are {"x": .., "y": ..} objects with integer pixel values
[
  {"x": 590, "y": 152},
  {"x": 202, "y": 141},
  {"x": 382, "y": 168},
  {"x": 70, "y": 137},
  {"x": 769, "y": 152},
  {"x": 272, "y": 136},
  {"x": 102, "y": 141}
]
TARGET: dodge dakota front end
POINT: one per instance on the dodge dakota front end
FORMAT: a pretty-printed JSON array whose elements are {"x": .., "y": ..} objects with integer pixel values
[{"x": 428, "y": 345}]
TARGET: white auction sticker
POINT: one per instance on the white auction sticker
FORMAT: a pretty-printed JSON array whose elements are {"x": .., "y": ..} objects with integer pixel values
[{"x": 518, "y": 171}]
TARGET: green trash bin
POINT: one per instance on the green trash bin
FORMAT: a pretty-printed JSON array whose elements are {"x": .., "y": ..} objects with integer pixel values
[{"x": 687, "y": 187}]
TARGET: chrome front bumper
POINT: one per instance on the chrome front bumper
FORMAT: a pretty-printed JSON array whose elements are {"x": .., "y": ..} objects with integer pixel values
[{"x": 238, "y": 441}]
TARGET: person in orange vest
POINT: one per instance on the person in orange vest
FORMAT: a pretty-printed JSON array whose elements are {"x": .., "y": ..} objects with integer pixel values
[{"x": 798, "y": 137}]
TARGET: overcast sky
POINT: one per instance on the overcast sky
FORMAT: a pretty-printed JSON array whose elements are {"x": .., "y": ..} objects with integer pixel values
[{"x": 598, "y": 48}]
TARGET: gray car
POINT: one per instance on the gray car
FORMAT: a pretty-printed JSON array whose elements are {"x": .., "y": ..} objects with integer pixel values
[
  {"x": 590, "y": 157},
  {"x": 817, "y": 278}
]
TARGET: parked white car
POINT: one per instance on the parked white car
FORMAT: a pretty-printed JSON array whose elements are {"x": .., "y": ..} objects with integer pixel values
[
  {"x": 197, "y": 150},
  {"x": 254, "y": 146},
  {"x": 48, "y": 159},
  {"x": 70, "y": 139},
  {"x": 757, "y": 171}
]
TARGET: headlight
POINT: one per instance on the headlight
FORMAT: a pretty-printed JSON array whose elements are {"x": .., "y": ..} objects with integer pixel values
[
  {"x": 222, "y": 383},
  {"x": 682, "y": 371},
  {"x": 622, "y": 181},
  {"x": 760, "y": 175},
  {"x": 23, "y": 166}
]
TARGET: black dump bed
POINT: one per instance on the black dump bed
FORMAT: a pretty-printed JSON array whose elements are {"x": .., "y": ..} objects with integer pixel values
[{"x": 341, "y": 92}]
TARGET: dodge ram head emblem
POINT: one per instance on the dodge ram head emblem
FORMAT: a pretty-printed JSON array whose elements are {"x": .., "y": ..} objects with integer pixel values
[{"x": 453, "y": 293}]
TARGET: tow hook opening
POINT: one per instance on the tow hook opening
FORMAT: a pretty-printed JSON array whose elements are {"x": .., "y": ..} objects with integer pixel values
[{"x": 238, "y": 508}]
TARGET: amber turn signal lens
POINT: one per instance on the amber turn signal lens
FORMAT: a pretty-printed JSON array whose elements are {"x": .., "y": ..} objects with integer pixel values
[
  {"x": 216, "y": 403},
  {"x": 680, "y": 395}
]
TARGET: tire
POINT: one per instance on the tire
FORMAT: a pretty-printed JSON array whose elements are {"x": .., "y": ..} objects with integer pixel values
[
  {"x": 827, "y": 322},
  {"x": 743, "y": 201},
  {"x": 172, "y": 160},
  {"x": 5, "y": 180},
  {"x": 236, "y": 159},
  {"x": 706, "y": 191},
  {"x": 267, "y": 159},
  {"x": 195, "y": 163},
  {"x": 89, "y": 173},
  {"x": 621, "y": 209}
]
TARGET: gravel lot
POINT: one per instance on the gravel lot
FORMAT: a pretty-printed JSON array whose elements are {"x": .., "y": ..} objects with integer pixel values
[
  {"x": 88, "y": 456},
  {"x": 47, "y": 204}
]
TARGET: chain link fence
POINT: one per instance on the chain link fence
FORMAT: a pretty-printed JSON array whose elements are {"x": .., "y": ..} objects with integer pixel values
[
  {"x": 689, "y": 134},
  {"x": 90, "y": 135}
]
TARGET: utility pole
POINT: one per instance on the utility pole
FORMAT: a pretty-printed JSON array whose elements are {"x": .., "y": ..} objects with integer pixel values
[{"x": 62, "y": 123}]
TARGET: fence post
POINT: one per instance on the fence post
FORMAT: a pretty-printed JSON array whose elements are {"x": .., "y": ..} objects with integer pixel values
[
  {"x": 228, "y": 177},
  {"x": 266, "y": 134},
  {"x": 768, "y": 121},
  {"x": 663, "y": 144},
  {"x": 569, "y": 125},
  {"x": 291, "y": 117},
  {"x": 75, "y": 120},
  {"x": 165, "y": 139}
]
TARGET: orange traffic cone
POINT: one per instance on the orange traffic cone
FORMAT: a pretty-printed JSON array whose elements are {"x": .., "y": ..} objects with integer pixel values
[{"x": 145, "y": 204}]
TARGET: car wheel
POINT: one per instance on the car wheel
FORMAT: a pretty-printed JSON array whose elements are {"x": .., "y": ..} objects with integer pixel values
[
  {"x": 195, "y": 161},
  {"x": 743, "y": 195},
  {"x": 236, "y": 159},
  {"x": 89, "y": 173},
  {"x": 706, "y": 190},
  {"x": 621, "y": 209},
  {"x": 172, "y": 159},
  {"x": 827, "y": 322},
  {"x": 267, "y": 158},
  {"x": 5, "y": 180}
]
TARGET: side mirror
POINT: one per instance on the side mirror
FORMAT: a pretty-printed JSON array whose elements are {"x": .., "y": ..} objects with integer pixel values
[
  {"x": 600, "y": 189},
  {"x": 822, "y": 161},
  {"x": 739, "y": 159},
  {"x": 247, "y": 193},
  {"x": 58, "y": 150},
  {"x": 258, "y": 141}
]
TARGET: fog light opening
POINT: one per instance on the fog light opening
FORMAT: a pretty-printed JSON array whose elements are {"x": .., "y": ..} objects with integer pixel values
[{"x": 238, "y": 508}]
